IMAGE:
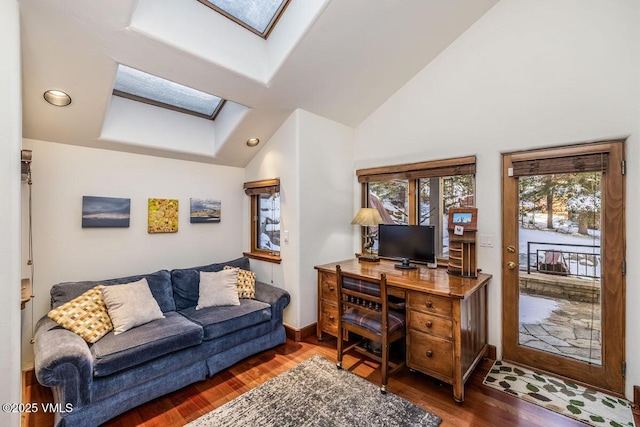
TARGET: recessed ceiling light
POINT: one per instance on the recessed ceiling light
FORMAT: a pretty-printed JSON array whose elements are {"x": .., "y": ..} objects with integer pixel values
[
  {"x": 252, "y": 142},
  {"x": 57, "y": 98}
]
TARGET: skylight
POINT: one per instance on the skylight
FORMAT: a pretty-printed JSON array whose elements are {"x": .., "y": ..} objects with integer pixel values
[
  {"x": 140, "y": 86},
  {"x": 258, "y": 16}
]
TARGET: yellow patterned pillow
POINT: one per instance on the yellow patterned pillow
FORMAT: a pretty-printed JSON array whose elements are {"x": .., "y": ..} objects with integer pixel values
[
  {"x": 85, "y": 315},
  {"x": 246, "y": 282}
]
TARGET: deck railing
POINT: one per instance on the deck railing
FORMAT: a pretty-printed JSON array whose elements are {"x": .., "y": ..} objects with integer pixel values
[{"x": 565, "y": 262}]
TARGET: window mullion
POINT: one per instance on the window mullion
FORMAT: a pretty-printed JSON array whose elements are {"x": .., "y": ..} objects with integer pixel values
[{"x": 413, "y": 202}]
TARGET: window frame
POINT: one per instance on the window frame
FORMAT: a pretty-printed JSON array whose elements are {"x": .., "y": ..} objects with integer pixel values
[
  {"x": 160, "y": 104},
  {"x": 264, "y": 34},
  {"x": 254, "y": 189},
  {"x": 413, "y": 173}
]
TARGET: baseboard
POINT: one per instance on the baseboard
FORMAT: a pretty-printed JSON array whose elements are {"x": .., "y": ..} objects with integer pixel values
[
  {"x": 298, "y": 335},
  {"x": 492, "y": 352}
]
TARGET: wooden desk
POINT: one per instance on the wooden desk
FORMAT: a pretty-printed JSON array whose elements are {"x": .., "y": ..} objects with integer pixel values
[{"x": 446, "y": 316}]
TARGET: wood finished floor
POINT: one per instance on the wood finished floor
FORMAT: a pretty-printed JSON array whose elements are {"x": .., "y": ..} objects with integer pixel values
[{"x": 482, "y": 407}]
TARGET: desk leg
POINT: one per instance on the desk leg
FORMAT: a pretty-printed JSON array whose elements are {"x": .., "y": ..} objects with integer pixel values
[{"x": 458, "y": 383}]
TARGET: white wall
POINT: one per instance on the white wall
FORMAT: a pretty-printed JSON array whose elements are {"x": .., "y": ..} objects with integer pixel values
[
  {"x": 278, "y": 158},
  {"x": 64, "y": 251},
  {"x": 528, "y": 74},
  {"x": 10, "y": 136},
  {"x": 313, "y": 157},
  {"x": 326, "y": 207}
]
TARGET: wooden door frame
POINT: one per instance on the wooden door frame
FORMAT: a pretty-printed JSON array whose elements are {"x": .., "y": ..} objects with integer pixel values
[{"x": 609, "y": 376}]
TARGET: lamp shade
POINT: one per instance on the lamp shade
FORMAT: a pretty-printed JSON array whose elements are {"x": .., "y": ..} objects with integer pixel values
[{"x": 367, "y": 217}]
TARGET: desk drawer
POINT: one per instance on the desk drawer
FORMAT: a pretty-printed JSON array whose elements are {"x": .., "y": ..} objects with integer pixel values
[
  {"x": 329, "y": 317},
  {"x": 429, "y": 303},
  {"x": 434, "y": 325},
  {"x": 428, "y": 353},
  {"x": 328, "y": 286}
]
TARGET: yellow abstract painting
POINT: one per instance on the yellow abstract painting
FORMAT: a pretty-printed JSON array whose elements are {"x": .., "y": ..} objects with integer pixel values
[{"x": 163, "y": 216}]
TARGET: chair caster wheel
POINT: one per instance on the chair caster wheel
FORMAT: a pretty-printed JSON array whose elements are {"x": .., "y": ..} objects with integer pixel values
[
  {"x": 383, "y": 389},
  {"x": 339, "y": 366}
]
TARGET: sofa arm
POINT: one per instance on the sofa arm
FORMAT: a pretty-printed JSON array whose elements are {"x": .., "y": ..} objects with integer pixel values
[
  {"x": 276, "y": 297},
  {"x": 63, "y": 362}
]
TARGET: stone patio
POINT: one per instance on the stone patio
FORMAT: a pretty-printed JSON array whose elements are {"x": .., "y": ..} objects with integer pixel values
[{"x": 571, "y": 329}]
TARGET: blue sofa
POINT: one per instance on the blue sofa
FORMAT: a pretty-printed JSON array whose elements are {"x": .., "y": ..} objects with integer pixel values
[{"x": 93, "y": 383}]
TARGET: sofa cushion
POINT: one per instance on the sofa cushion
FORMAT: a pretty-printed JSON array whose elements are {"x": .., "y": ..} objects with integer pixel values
[
  {"x": 246, "y": 282},
  {"x": 159, "y": 283},
  {"x": 186, "y": 281},
  {"x": 218, "y": 288},
  {"x": 85, "y": 315},
  {"x": 114, "y": 353},
  {"x": 130, "y": 305},
  {"x": 220, "y": 321}
]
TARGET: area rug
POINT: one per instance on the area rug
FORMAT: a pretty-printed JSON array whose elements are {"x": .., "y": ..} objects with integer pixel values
[
  {"x": 316, "y": 393},
  {"x": 564, "y": 397}
]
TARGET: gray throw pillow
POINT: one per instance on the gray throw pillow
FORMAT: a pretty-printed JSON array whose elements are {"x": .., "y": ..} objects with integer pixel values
[
  {"x": 130, "y": 305},
  {"x": 218, "y": 288}
]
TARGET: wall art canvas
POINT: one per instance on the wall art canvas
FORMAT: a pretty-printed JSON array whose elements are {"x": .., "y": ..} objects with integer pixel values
[
  {"x": 205, "y": 210},
  {"x": 105, "y": 212},
  {"x": 163, "y": 216}
]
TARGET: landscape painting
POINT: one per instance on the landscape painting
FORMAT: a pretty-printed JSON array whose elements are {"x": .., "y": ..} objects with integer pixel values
[
  {"x": 462, "y": 217},
  {"x": 163, "y": 216},
  {"x": 105, "y": 212},
  {"x": 205, "y": 210}
]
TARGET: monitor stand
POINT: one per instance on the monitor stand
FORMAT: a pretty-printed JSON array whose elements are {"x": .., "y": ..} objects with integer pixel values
[{"x": 405, "y": 265}]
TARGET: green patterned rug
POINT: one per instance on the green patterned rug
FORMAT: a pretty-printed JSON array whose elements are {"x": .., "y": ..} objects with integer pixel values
[{"x": 589, "y": 406}]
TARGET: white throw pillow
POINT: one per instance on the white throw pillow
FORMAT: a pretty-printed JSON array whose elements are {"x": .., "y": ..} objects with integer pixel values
[
  {"x": 130, "y": 305},
  {"x": 218, "y": 288}
]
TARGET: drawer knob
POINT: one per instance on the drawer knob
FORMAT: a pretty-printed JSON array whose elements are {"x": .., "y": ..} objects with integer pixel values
[
  {"x": 331, "y": 288},
  {"x": 429, "y": 353},
  {"x": 331, "y": 317},
  {"x": 429, "y": 304},
  {"x": 429, "y": 324}
]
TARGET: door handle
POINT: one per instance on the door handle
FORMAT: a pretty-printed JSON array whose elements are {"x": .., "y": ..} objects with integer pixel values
[{"x": 511, "y": 265}]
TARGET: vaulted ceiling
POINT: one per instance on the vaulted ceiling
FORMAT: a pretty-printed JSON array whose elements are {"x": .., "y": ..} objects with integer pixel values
[{"x": 340, "y": 59}]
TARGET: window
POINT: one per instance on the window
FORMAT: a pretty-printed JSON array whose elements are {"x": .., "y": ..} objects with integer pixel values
[
  {"x": 420, "y": 193},
  {"x": 143, "y": 87},
  {"x": 265, "y": 219},
  {"x": 391, "y": 198},
  {"x": 257, "y": 16}
]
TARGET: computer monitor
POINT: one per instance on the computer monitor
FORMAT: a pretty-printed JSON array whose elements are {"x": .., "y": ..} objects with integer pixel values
[{"x": 408, "y": 243}]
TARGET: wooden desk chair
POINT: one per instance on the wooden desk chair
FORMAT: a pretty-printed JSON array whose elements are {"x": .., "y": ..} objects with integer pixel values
[{"x": 365, "y": 310}]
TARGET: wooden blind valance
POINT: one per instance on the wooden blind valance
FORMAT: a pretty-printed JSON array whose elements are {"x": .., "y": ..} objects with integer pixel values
[
  {"x": 574, "y": 164},
  {"x": 431, "y": 169},
  {"x": 573, "y": 159},
  {"x": 266, "y": 186}
]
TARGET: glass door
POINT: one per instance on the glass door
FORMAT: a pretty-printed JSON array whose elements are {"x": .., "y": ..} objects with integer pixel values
[{"x": 563, "y": 283}]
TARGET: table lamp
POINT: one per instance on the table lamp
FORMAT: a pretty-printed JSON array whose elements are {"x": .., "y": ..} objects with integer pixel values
[{"x": 368, "y": 217}]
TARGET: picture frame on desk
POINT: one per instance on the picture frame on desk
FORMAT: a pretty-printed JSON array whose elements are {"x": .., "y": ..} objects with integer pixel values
[{"x": 467, "y": 218}]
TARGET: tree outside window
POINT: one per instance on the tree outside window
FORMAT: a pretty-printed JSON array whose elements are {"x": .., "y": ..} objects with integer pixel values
[{"x": 269, "y": 222}]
